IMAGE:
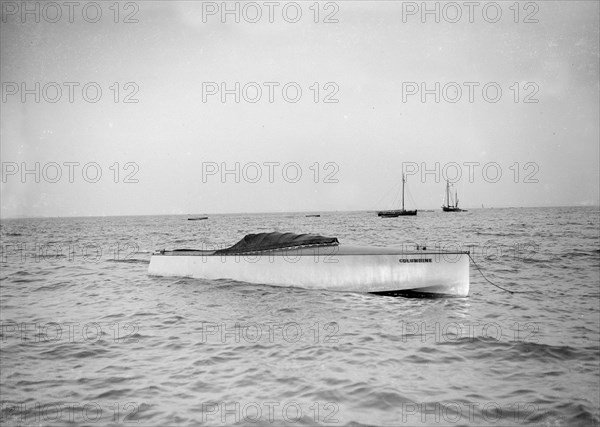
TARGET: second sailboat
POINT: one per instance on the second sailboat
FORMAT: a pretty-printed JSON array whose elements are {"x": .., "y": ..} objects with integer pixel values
[{"x": 398, "y": 212}]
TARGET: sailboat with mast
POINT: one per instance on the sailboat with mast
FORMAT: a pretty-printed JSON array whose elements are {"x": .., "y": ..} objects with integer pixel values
[
  {"x": 398, "y": 212},
  {"x": 451, "y": 205}
]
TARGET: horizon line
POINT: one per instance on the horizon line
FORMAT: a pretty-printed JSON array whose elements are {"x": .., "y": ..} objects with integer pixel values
[{"x": 285, "y": 212}]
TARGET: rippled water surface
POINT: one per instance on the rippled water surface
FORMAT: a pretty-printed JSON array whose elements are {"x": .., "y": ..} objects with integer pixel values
[{"x": 89, "y": 338}]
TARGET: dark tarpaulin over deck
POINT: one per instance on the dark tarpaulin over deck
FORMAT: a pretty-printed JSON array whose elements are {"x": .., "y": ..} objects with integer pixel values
[{"x": 270, "y": 241}]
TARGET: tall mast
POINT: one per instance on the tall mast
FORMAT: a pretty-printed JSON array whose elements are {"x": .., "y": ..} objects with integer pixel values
[
  {"x": 402, "y": 191},
  {"x": 447, "y": 193}
]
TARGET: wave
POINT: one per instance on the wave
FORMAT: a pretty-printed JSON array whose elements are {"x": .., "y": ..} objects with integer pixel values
[{"x": 527, "y": 351}]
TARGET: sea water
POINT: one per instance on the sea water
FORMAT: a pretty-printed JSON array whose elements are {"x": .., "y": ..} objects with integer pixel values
[{"x": 87, "y": 337}]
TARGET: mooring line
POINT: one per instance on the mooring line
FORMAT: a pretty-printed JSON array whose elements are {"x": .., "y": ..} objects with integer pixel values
[{"x": 491, "y": 283}]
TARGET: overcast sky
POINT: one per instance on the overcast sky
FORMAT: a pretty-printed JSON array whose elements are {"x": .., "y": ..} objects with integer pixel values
[{"x": 173, "y": 143}]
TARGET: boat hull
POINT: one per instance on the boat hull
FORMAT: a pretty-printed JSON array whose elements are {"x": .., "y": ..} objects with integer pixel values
[
  {"x": 394, "y": 214},
  {"x": 349, "y": 269}
]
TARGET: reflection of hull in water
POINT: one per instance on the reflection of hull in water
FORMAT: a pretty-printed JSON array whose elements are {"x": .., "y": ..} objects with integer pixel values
[
  {"x": 396, "y": 213},
  {"x": 338, "y": 268}
]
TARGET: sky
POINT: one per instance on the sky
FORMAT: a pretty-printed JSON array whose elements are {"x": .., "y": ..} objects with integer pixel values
[{"x": 132, "y": 110}]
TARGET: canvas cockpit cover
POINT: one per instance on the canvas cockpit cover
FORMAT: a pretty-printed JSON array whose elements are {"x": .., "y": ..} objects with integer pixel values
[{"x": 270, "y": 241}]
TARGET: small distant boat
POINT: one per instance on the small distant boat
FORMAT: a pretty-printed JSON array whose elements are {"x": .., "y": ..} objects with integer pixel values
[
  {"x": 316, "y": 262},
  {"x": 312, "y": 216},
  {"x": 398, "y": 212},
  {"x": 451, "y": 205},
  {"x": 198, "y": 218}
]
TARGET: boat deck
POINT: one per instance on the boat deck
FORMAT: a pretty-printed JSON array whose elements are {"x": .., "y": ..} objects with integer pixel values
[{"x": 315, "y": 251}]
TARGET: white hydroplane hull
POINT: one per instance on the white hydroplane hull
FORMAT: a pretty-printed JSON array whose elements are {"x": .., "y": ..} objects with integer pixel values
[{"x": 338, "y": 268}]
